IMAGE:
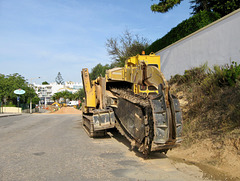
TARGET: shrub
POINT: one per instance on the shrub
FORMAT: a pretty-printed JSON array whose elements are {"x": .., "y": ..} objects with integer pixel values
[
  {"x": 221, "y": 76},
  {"x": 196, "y": 74},
  {"x": 230, "y": 74}
]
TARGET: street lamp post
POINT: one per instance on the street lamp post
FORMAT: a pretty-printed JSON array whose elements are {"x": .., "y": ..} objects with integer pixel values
[{"x": 30, "y": 96}]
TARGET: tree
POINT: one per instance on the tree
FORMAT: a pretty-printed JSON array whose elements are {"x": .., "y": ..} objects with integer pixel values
[
  {"x": 45, "y": 83},
  {"x": 98, "y": 70},
  {"x": 67, "y": 95},
  {"x": 2, "y": 87},
  {"x": 35, "y": 100},
  {"x": 120, "y": 49},
  {"x": 165, "y": 5},
  {"x": 12, "y": 82},
  {"x": 125, "y": 46},
  {"x": 183, "y": 29},
  {"x": 59, "y": 79},
  {"x": 222, "y": 7},
  {"x": 200, "y": 5},
  {"x": 80, "y": 94},
  {"x": 64, "y": 94},
  {"x": 56, "y": 96}
]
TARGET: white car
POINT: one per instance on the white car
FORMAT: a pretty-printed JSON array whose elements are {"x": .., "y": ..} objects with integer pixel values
[{"x": 72, "y": 103}]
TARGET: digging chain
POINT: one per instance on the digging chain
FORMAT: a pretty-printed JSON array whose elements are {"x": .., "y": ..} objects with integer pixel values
[{"x": 143, "y": 102}]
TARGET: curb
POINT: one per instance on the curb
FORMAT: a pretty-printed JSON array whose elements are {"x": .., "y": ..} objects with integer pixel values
[{"x": 8, "y": 115}]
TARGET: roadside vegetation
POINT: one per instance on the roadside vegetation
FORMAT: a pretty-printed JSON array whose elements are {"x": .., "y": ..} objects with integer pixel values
[
  {"x": 120, "y": 49},
  {"x": 79, "y": 95},
  {"x": 204, "y": 12},
  {"x": 183, "y": 29},
  {"x": 210, "y": 101},
  {"x": 221, "y": 7},
  {"x": 9, "y": 83},
  {"x": 128, "y": 44}
]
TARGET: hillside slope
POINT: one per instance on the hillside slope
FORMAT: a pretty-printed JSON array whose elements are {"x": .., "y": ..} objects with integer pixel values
[{"x": 210, "y": 101}]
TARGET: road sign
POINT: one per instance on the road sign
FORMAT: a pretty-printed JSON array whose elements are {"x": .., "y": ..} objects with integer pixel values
[
  {"x": 18, "y": 98},
  {"x": 19, "y": 91}
]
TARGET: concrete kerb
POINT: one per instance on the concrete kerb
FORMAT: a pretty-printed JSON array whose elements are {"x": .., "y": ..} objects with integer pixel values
[{"x": 7, "y": 115}]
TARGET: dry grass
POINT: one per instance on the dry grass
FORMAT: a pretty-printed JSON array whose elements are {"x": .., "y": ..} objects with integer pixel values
[
  {"x": 211, "y": 118},
  {"x": 210, "y": 110}
]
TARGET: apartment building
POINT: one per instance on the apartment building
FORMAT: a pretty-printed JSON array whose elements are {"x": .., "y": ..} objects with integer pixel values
[{"x": 45, "y": 92}]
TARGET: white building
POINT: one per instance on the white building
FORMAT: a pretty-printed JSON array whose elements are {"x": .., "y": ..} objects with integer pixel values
[{"x": 45, "y": 92}]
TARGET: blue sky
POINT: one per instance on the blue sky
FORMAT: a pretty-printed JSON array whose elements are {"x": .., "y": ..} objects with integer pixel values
[{"x": 39, "y": 38}]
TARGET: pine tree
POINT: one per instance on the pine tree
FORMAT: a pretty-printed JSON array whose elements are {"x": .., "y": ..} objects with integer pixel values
[{"x": 59, "y": 79}]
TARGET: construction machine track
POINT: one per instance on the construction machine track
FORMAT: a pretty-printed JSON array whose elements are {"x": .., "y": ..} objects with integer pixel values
[
  {"x": 146, "y": 121},
  {"x": 98, "y": 121}
]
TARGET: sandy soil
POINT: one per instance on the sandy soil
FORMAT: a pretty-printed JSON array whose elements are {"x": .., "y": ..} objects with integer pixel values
[
  {"x": 67, "y": 110},
  {"x": 213, "y": 157},
  {"x": 219, "y": 153}
]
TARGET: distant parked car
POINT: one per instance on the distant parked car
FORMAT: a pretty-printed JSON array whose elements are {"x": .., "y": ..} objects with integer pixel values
[{"x": 72, "y": 103}]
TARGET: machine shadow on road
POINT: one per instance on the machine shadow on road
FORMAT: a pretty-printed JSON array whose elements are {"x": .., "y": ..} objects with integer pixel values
[{"x": 114, "y": 133}]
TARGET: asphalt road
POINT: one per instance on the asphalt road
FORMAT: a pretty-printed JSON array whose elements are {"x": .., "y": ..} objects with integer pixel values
[{"x": 55, "y": 147}]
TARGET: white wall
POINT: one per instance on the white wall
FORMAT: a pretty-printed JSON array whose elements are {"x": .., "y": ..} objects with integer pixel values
[
  {"x": 218, "y": 43},
  {"x": 10, "y": 110}
]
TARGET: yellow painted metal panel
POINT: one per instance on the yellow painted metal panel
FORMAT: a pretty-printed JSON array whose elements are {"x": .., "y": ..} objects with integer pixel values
[
  {"x": 115, "y": 74},
  {"x": 89, "y": 90}
]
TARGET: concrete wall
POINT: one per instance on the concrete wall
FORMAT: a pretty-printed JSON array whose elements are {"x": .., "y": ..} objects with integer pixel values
[
  {"x": 13, "y": 110},
  {"x": 216, "y": 44},
  {"x": 16, "y": 110}
]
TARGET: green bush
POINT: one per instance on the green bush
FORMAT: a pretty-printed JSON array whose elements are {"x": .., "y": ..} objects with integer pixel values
[
  {"x": 230, "y": 75},
  {"x": 197, "y": 75},
  {"x": 183, "y": 29},
  {"x": 210, "y": 80},
  {"x": 221, "y": 76}
]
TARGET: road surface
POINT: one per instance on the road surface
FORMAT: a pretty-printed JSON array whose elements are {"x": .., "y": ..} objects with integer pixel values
[{"x": 55, "y": 147}]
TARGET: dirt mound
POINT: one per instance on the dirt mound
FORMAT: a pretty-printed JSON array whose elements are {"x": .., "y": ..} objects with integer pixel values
[{"x": 67, "y": 110}]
